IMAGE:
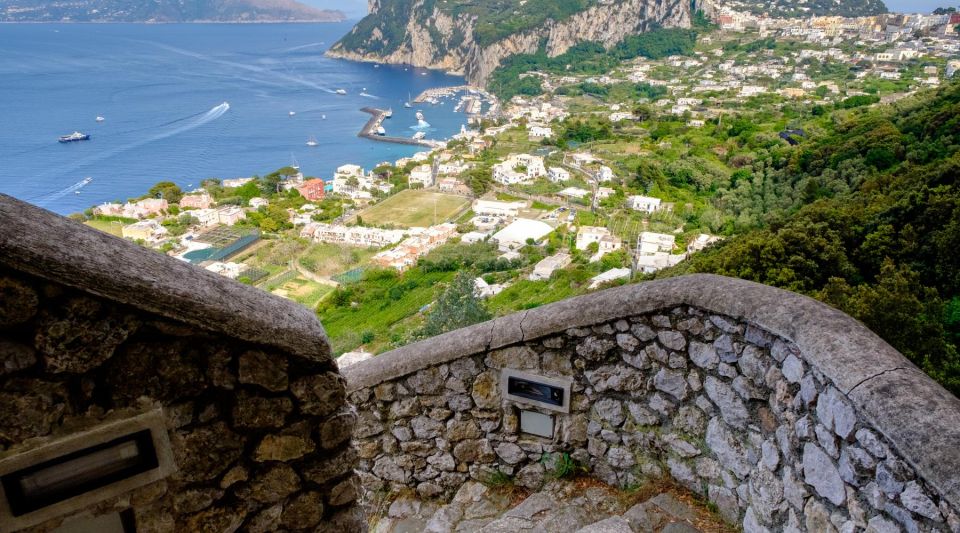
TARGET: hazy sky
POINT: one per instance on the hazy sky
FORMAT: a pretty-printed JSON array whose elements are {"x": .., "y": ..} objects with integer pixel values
[{"x": 358, "y": 8}]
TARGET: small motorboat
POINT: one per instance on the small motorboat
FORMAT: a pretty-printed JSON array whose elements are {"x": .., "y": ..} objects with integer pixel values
[
  {"x": 380, "y": 131},
  {"x": 323, "y": 117},
  {"x": 100, "y": 119},
  {"x": 341, "y": 91},
  {"x": 419, "y": 135},
  {"x": 388, "y": 113},
  {"x": 312, "y": 141},
  {"x": 292, "y": 113}
]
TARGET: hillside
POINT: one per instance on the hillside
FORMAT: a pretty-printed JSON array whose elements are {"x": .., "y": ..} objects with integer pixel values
[
  {"x": 879, "y": 230},
  {"x": 473, "y": 38},
  {"x": 163, "y": 11},
  {"x": 807, "y": 8}
]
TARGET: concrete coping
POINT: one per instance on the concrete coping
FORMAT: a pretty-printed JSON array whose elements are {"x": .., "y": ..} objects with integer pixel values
[
  {"x": 918, "y": 416},
  {"x": 64, "y": 251}
]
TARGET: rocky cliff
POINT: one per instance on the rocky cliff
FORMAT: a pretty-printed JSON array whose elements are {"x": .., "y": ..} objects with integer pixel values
[{"x": 473, "y": 43}]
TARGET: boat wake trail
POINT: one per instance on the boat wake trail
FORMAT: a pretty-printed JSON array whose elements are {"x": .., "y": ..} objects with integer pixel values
[
  {"x": 185, "y": 125},
  {"x": 49, "y": 197}
]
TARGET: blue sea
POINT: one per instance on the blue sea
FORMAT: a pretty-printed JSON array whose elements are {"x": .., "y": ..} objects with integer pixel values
[{"x": 185, "y": 102}]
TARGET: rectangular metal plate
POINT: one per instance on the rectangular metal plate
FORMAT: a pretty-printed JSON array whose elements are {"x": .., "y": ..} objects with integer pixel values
[
  {"x": 530, "y": 389},
  {"x": 536, "y": 423}
]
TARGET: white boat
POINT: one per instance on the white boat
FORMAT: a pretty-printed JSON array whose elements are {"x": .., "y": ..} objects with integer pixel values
[
  {"x": 83, "y": 183},
  {"x": 292, "y": 113},
  {"x": 419, "y": 135},
  {"x": 100, "y": 119},
  {"x": 419, "y": 116},
  {"x": 341, "y": 91},
  {"x": 389, "y": 113},
  {"x": 312, "y": 141},
  {"x": 323, "y": 117},
  {"x": 381, "y": 131},
  {"x": 407, "y": 105}
]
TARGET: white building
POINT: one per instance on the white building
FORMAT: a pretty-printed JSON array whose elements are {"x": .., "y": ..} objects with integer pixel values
[
  {"x": 605, "y": 174},
  {"x": 702, "y": 241},
  {"x": 547, "y": 266},
  {"x": 536, "y": 133},
  {"x": 421, "y": 175},
  {"x": 492, "y": 208},
  {"x": 519, "y": 168},
  {"x": 606, "y": 241},
  {"x": 558, "y": 174},
  {"x": 649, "y": 243},
  {"x": 608, "y": 276},
  {"x": 574, "y": 192},
  {"x": 235, "y": 182},
  {"x": 647, "y": 204},
  {"x": 516, "y": 235}
]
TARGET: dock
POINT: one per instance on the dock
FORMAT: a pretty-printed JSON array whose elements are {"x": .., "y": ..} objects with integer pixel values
[{"x": 377, "y": 117}]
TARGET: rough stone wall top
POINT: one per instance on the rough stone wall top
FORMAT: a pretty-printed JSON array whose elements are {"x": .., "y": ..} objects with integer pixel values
[
  {"x": 897, "y": 399},
  {"x": 61, "y": 250}
]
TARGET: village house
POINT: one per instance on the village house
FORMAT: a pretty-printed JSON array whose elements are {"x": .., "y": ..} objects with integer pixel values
[
  {"x": 608, "y": 276},
  {"x": 519, "y": 168},
  {"x": 313, "y": 190},
  {"x": 605, "y": 174},
  {"x": 548, "y": 265},
  {"x": 257, "y": 202},
  {"x": 519, "y": 232},
  {"x": 351, "y": 235},
  {"x": 108, "y": 209},
  {"x": 536, "y": 133},
  {"x": 453, "y": 185},
  {"x": 405, "y": 254},
  {"x": 495, "y": 208},
  {"x": 649, "y": 243},
  {"x": 606, "y": 241},
  {"x": 196, "y": 201},
  {"x": 574, "y": 192},
  {"x": 145, "y": 230},
  {"x": 558, "y": 174},
  {"x": 701, "y": 241},
  {"x": 144, "y": 208},
  {"x": 230, "y": 215},
  {"x": 421, "y": 175},
  {"x": 229, "y": 270},
  {"x": 646, "y": 204}
]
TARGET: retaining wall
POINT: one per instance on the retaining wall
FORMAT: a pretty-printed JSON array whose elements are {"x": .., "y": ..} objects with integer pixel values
[
  {"x": 96, "y": 332},
  {"x": 785, "y": 413}
]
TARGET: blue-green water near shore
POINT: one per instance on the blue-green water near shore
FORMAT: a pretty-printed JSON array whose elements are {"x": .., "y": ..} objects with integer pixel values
[{"x": 162, "y": 89}]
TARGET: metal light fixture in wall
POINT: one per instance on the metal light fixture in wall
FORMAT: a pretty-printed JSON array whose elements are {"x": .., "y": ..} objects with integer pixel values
[
  {"x": 65, "y": 476},
  {"x": 547, "y": 393}
]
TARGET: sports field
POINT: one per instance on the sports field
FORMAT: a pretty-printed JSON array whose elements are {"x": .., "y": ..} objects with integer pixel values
[{"x": 412, "y": 208}]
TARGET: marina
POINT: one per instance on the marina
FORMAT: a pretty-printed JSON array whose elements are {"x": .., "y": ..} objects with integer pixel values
[{"x": 373, "y": 128}]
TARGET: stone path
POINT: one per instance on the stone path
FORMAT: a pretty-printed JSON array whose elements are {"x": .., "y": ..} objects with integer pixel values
[{"x": 562, "y": 506}]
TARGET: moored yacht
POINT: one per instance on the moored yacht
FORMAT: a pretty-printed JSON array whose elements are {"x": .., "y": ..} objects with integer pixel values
[
  {"x": 74, "y": 137},
  {"x": 312, "y": 141}
]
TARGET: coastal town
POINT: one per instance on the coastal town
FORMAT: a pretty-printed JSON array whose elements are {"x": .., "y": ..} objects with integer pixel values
[{"x": 589, "y": 181}]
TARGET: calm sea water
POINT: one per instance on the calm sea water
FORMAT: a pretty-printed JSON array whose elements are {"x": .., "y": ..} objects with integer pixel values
[{"x": 162, "y": 90}]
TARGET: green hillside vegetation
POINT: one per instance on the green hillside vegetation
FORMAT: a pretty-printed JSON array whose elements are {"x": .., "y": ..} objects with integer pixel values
[
  {"x": 865, "y": 218},
  {"x": 588, "y": 58}
]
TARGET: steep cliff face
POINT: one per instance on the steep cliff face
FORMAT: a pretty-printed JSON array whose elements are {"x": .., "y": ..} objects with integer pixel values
[{"x": 420, "y": 33}]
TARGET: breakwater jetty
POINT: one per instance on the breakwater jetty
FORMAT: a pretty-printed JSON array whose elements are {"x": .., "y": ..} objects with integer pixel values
[{"x": 377, "y": 116}]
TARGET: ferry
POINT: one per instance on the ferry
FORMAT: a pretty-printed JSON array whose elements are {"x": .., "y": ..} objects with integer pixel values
[
  {"x": 389, "y": 113},
  {"x": 100, "y": 119},
  {"x": 74, "y": 137},
  {"x": 341, "y": 91},
  {"x": 380, "y": 131},
  {"x": 312, "y": 141}
]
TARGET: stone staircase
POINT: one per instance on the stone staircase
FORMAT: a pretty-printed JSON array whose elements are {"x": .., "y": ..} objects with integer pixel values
[{"x": 561, "y": 506}]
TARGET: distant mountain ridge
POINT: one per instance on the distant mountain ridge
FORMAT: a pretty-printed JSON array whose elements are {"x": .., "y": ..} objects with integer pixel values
[{"x": 164, "y": 11}]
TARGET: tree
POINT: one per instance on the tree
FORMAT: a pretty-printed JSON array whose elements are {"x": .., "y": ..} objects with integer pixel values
[
  {"x": 167, "y": 190},
  {"x": 456, "y": 308}
]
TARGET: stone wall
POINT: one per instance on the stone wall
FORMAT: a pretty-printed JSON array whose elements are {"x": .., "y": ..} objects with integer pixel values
[
  {"x": 784, "y": 413},
  {"x": 254, "y": 405}
]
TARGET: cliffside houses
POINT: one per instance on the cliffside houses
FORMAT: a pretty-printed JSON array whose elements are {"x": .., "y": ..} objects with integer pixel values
[
  {"x": 645, "y": 204},
  {"x": 654, "y": 252},
  {"x": 351, "y": 235},
  {"x": 139, "y": 209},
  {"x": 519, "y": 169},
  {"x": 606, "y": 241},
  {"x": 405, "y": 254}
]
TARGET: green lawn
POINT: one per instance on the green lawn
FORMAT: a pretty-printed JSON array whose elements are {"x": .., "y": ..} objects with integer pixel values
[
  {"x": 325, "y": 259},
  {"x": 112, "y": 227},
  {"x": 411, "y": 208},
  {"x": 303, "y": 291}
]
